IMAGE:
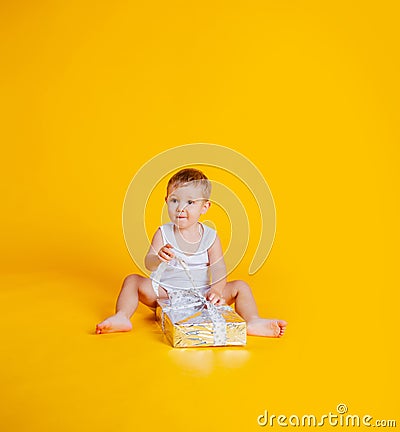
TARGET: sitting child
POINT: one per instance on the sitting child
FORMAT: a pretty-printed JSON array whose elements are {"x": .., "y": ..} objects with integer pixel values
[{"x": 199, "y": 246}]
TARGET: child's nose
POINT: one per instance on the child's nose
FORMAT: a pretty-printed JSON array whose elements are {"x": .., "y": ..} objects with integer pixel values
[{"x": 180, "y": 207}]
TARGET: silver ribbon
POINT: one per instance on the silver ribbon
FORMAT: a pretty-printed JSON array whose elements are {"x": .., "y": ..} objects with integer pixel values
[{"x": 193, "y": 299}]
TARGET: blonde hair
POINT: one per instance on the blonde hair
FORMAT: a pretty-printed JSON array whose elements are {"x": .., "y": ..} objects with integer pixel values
[{"x": 190, "y": 175}]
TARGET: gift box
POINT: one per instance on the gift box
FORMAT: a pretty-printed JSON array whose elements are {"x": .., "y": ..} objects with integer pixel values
[{"x": 200, "y": 324}]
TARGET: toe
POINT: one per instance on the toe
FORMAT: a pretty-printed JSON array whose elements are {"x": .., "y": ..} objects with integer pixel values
[{"x": 105, "y": 325}]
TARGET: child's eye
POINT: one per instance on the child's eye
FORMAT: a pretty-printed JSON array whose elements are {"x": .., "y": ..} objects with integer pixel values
[{"x": 190, "y": 202}]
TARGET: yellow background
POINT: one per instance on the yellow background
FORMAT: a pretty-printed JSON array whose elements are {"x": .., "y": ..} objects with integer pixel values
[{"x": 90, "y": 91}]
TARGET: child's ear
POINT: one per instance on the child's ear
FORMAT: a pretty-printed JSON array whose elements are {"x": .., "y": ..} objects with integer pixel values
[{"x": 206, "y": 206}]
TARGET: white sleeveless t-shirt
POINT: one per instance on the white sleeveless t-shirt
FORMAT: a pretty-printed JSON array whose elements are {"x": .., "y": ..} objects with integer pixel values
[{"x": 174, "y": 275}]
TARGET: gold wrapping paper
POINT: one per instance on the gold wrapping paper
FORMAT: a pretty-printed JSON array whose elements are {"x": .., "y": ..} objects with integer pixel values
[{"x": 191, "y": 327}]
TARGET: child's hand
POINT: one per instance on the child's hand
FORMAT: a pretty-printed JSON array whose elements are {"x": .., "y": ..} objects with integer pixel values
[
  {"x": 165, "y": 253},
  {"x": 215, "y": 298}
]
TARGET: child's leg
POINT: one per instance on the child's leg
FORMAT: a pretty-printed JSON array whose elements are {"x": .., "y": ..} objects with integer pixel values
[
  {"x": 239, "y": 292},
  {"x": 134, "y": 288}
]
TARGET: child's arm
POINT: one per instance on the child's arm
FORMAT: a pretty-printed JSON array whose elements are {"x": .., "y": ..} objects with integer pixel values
[
  {"x": 218, "y": 272},
  {"x": 158, "y": 252}
]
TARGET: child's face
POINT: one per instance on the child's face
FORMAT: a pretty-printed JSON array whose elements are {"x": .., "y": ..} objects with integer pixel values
[{"x": 186, "y": 204}]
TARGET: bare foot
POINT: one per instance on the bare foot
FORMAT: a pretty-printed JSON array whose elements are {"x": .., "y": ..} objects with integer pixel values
[
  {"x": 115, "y": 323},
  {"x": 266, "y": 327}
]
